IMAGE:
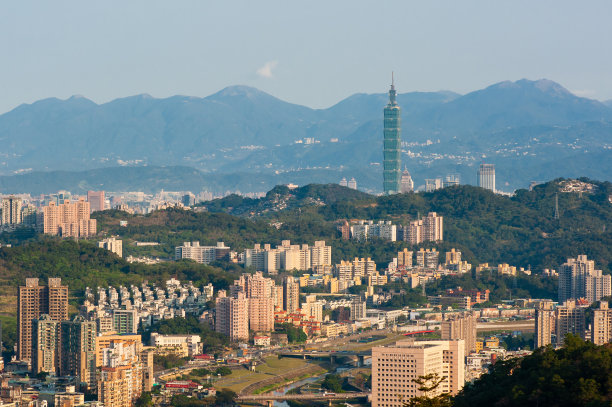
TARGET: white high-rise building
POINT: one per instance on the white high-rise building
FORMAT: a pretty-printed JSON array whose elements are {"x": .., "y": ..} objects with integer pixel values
[
  {"x": 579, "y": 279},
  {"x": 486, "y": 176},
  {"x": 406, "y": 183},
  {"x": 201, "y": 254}
]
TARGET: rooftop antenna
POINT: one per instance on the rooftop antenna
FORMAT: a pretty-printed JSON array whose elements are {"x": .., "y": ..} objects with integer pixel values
[
  {"x": 392, "y": 80},
  {"x": 557, "y": 206}
]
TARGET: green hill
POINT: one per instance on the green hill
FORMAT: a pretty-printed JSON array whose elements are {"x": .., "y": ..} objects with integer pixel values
[{"x": 580, "y": 374}]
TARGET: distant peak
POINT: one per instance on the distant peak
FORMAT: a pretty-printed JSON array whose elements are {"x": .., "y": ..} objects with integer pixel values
[
  {"x": 543, "y": 85},
  {"x": 239, "y": 90}
]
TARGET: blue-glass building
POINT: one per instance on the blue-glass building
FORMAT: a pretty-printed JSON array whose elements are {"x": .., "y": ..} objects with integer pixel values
[{"x": 392, "y": 150}]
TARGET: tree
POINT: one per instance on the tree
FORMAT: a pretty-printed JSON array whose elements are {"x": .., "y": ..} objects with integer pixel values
[
  {"x": 225, "y": 397},
  {"x": 428, "y": 386},
  {"x": 332, "y": 382},
  {"x": 145, "y": 400}
]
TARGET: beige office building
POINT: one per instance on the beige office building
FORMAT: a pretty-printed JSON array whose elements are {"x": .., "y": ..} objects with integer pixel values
[
  {"x": 33, "y": 301},
  {"x": 395, "y": 367},
  {"x": 601, "y": 332}
]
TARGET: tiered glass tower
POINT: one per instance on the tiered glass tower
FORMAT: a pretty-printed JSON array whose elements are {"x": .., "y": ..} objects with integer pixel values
[{"x": 392, "y": 145}]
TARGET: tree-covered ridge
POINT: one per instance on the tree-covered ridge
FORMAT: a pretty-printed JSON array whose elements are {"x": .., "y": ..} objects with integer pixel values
[
  {"x": 520, "y": 230},
  {"x": 81, "y": 264},
  {"x": 579, "y": 374}
]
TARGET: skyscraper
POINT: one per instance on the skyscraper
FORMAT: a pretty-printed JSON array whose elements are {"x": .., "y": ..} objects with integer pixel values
[
  {"x": 579, "y": 279},
  {"x": 35, "y": 300},
  {"x": 486, "y": 176},
  {"x": 96, "y": 200},
  {"x": 406, "y": 183},
  {"x": 11, "y": 210},
  {"x": 78, "y": 349},
  {"x": 392, "y": 148}
]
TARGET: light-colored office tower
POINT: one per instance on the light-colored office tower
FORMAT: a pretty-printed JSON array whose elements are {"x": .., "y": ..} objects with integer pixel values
[
  {"x": 579, "y": 279},
  {"x": 125, "y": 321},
  {"x": 601, "y": 331},
  {"x": 406, "y": 183},
  {"x": 45, "y": 344},
  {"x": 544, "y": 325},
  {"x": 343, "y": 182},
  {"x": 352, "y": 184},
  {"x": 120, "y": 380},
  {"x": 78, "y": 350},
  {"x": 394, "y": 367},
  {"x": 404, "y": 258},
  {"x": 358, "y": 309},
  {"x": 201, "y": 254},
  {"x": 486, "y": 176},
  {"x": 433, "y": 227},
  {"x": 232, "y": 316},
  {"x": 112, "y": 244},
  {"x": 453, "y": 257},
  {"x": 33, "y": 301},
  {"x": 96, "y": 201},
  {"x": 427, "y": 258},
  {"x": 11, "y": 210},
  {"x": 392, "y": 148},
  {"x": 462, "y": 326},
  {"x": 569, "y": 319},
  {"x": 452, "y": 180},
  {"x": 320, "y": 254},
  {"x": 291, "y": 294},
  {"x": 68, "y": 219}
]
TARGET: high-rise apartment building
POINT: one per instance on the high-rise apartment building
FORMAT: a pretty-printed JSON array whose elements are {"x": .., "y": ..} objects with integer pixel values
[
  {"x": 112, "y": 244},
  {"x": 96, "y": 201},
  {"x": 287, "y": 256},
  {"x": 569, "y": 319},
  {"x": 404, "y": 258},
  {"x": 68, "y": 219},
  {"x": 120, "y": 380},
  {"x": 232, "y": 316},
  {"x": 260, "y": 293},
  {"x": 406, "y": 182},
  {"x": 462, "y": 326},
  {"x": 11, "y": 210},
  {"x": 427, "y": 258},
  {"x": 486, "y": 176},
  {"x": 78, "y": 350},
  {"x": 579, "y": 279},
  {"x": 356, "y": 269},
  {"x": 291, "y": 294},
  {"x": 358, "y": 309},
  {"x": 394, "y": 367},
  {"x": 45, "y": 345},
  {"x": 201, "y": 254},
  {"x": 429, "y": 228},
  {"x": 544, "y": 325},
  {"x": 392, "y": 145},
  {"x": 601, "y": 331},
  {"x": 32, "y": 302}
]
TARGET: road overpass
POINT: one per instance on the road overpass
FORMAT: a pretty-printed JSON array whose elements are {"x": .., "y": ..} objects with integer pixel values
[{"x": 331, "y": 355}]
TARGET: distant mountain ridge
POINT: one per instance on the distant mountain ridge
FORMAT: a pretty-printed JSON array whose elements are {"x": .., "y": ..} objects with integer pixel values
[{"x": 244, "y": 130}]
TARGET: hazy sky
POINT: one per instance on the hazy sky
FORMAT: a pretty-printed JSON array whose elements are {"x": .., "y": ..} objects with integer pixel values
[{"x": 308, "y": 52}]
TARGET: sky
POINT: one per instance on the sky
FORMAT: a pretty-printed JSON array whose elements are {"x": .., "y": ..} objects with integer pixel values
[{"x": 313, "y": 53}]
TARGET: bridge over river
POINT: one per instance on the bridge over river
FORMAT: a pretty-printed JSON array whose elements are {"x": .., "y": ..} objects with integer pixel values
[{"x": 270, "y": 398}]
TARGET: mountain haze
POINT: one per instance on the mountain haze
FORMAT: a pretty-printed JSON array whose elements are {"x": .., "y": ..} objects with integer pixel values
[{"x": 524, "y": 127}]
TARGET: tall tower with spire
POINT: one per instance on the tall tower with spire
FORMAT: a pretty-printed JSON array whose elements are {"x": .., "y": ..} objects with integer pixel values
[{"x": 392, "y": 159}]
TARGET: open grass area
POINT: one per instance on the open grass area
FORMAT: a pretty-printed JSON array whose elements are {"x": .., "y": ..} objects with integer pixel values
[{"x": 273, "y": 366}]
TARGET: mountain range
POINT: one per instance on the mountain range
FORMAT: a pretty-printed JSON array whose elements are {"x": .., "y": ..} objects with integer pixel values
[{"x": 531, "y": 130}]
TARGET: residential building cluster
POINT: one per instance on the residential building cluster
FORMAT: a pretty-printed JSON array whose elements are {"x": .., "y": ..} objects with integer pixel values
[
  {"x": 201, "y": 254},
  {"x": 429, "y": 228},
  {"x": 117, "y": 366},
  {"x": 287, "y": 257}
]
